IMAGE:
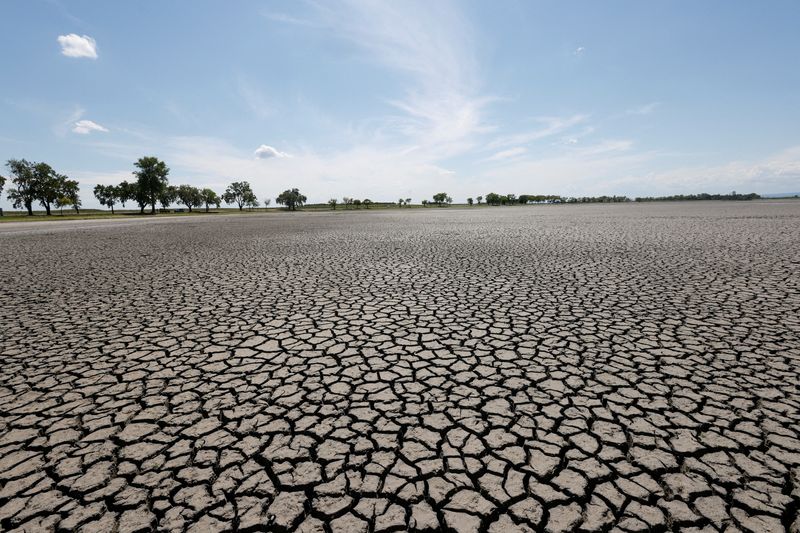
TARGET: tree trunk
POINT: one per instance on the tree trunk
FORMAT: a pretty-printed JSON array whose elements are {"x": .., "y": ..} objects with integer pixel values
[
  {"x": 112, "y": 209},
  {"x": 47, "y": 209},
  {"x": 29, "y": 207},
  {"x": 240, "y": 207},
  {"x": 190, "y": 208},
  {"x": 153, "y": 208}
]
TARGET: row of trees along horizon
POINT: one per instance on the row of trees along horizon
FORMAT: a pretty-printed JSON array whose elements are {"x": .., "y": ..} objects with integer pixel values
[{"x": 39, "y": 182}]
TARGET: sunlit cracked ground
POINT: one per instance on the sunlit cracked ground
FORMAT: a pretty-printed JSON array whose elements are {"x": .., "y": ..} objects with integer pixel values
[{"x": 555, "y": 368}]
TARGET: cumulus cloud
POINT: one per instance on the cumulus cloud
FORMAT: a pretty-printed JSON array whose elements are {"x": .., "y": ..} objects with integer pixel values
[
  {"x": 579, "y": 51},
  {"x": 268, "y": 152},
  {"x": 85, "y": 127},
  {"x": 74, "y": 45}
]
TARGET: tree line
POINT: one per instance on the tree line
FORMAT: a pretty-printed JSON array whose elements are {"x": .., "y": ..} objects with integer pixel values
[{"x": 38, "y": 182}]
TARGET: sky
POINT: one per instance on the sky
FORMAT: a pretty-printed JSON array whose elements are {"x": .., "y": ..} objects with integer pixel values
[{"x": 399, "y": 99}]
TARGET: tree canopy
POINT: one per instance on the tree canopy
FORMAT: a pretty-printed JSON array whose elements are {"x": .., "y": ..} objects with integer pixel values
[
  {"x": 209, "y": 197},
  {"x": 240, "y": 193},
  {"x": 190, "y": 196},
  {"x": 291, "y": 198},
  {"x": 151, "y": 180}
]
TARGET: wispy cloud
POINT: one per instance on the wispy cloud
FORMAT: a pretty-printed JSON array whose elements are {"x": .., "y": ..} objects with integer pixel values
[
  {"x": 549, "y": 126},
  {"x": 645, "y": 109},
  {"x": 85, "y": 127},
  {"x": 74, "y": 45},
  {"x": 507, "y": 154},
  {"x": 254, "y": 99},
  {"x": 579, "y": 51}
]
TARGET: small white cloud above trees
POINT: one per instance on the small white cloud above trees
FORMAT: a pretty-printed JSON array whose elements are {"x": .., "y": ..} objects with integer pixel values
[
  {"x": 268, "y": 152},
  {"x": 74, "y": 45},
  {"x": 85, "y": 127}
]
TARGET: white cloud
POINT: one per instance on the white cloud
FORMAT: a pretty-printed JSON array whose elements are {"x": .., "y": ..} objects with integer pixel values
[
  {"x": 551, "y": 126},
  {"x": 84, "y": 127},
  {"x": 73, "y": 45},
  {"x": 268, "y": 152},
  {"x": 579, "y": 51},
  {"x": 507, "y": 154}
]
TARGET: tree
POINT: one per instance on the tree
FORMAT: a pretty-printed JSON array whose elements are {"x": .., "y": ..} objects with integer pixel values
[
  {"x": 151, "y": 180},
  {"x": 291, "y": 198},
  {"x": 347, "y": 202},
  {"x": 190, "y": 196},
  {"x": 366, "y": 202},
  {"x": 441, "y": 198},
  {"x": 493, "y": 198},
  {"x": 209, "y": 197},
  {"x": 240, "y": 193},
  {"x": 47, "y": 185},
  {"x": 267, "y": 201},
  {"x": 252, "y": 202},
  {"x": 408, "y": 201},
  {"x": 424, "y": 203},
  {"x": 357, "y": 202},
  {"x": 126, "y": 192},
  {"x": 480, "y": 199},
  {"x": 107, "y": 195},
  {"x": 470, "y": 201},
  {"x": 69, "y": 196},
  {"x": 24, "y": 191},
  {"x": 2, "y": 183},
  {"x": 168, "y": 196},
  {"x": 400, "y": 202},
  {"x": 332, "y": 202}
]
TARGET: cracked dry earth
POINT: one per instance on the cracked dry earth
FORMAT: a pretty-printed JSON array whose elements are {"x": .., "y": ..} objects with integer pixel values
[{"x": 550, "y": 368}]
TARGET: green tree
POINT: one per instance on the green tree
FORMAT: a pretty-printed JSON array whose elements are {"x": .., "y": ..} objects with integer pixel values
[
  {"x": 107, "y": 195},
  {"x": 210, "y": 198},
  {"x": 347, "y": 201},
  {"x": 151, "y": 180},
  {"x": 2, "y": 183},
  {"x": 240, "y": 193},
  {"x": 332, "y": 202},
  {"x": 69, "y": 196},
  {"x": 470, "y": 201},
  {"x": 408, "y": 201},
  {"x": 442, "y": 198},
  {"x": 493, "y": 198},
  {"x": 47, "y": 185},
  {"x": 400, "y": 202},
  {"x": 126, "y": 192},
  {"x": 291, "y": 198},
  {"x": 253, "y": 202},
  {"x": 357, "y": 203},
  {"x": 168, "y": 196},
  {"x": 190, "y": 196},
  {"x": 480, "y": 199},
  {"x": 366, "y": 203},
  {"x": 23, "y": 193}
]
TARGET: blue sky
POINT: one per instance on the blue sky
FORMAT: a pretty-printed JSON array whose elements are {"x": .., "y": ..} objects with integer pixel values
[{"x": 405, "y": 99}]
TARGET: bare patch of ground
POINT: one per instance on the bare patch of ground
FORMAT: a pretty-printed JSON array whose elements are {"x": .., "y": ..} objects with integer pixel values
[{"x": 547, "y": 368}]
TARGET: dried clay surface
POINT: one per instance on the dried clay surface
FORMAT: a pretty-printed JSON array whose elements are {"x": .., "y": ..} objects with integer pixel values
[{"x": 546, "y": 368}]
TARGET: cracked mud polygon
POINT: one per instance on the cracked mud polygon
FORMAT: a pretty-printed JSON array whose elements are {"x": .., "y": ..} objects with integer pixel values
[{"x": 553, "y": 368}]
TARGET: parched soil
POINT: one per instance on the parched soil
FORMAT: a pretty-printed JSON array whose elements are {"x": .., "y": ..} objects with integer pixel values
[{"x": 549, "y": 368}]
